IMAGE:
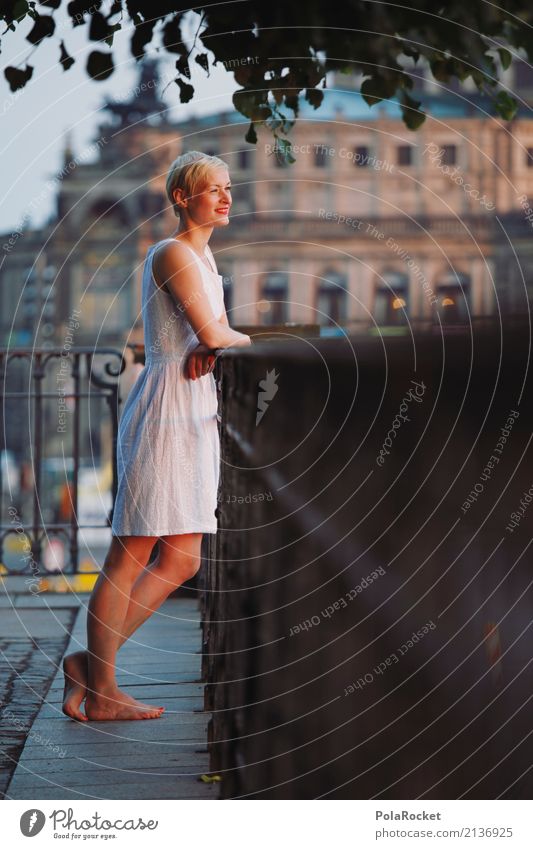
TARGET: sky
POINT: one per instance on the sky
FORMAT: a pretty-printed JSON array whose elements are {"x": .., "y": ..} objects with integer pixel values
[{"x": 36, "y": 119}]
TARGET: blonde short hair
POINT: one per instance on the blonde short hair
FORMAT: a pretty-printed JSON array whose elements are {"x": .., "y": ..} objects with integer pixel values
[{"x": 188, "y": 172}]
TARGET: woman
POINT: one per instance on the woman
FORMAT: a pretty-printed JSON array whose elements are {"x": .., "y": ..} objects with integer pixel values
[{"x": 168, "y": 444}]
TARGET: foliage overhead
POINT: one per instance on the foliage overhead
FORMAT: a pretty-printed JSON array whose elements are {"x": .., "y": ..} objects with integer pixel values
[{"x": 278, "y": 52}]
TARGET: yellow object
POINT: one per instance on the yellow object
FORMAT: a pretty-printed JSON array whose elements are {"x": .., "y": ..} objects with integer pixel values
[
  {"x": 17, "y": 543},
  {"x": 208, "y": 779},
  {"x": 398, "y": 303},
  {"x": 81, "y": 583}
]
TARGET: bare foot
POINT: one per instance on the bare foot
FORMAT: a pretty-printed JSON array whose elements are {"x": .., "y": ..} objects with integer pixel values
[
  {"x": 75, "y": 672},
  {"x": 75, "y": 669},
  {"x": 119, "y": 706},
  {"x": 123, "y": 698}
]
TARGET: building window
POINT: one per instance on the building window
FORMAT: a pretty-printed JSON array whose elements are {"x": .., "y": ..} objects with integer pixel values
[
  {"x": 108, "y": 302},
  {"x": 241, "y": 194},
  {"x": 321, "y": 155},
  {"x": 280, "y": 198},
  {"x": 152, "y": 204},
  {"x": 361, "y": 154},
  {"x": 404, "y": 154},
  {"x": 243, "y": 159},
  {"x": 331, "y": 299},
  {"x": 109, "y": 213},
  {"x": 453, "y": 298},
  {"x": 107, "y": 312},
  {"x": 272, "y": 306},
  {"x": 448, "y": 155},
  {"x": 391, "y": 299},
  {"x": 529, "y": 157}
]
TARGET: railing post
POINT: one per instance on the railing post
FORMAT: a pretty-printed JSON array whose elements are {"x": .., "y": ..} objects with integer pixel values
[
  {"x": 38, "y": 375},
  {"x": 74, "y": 524}
]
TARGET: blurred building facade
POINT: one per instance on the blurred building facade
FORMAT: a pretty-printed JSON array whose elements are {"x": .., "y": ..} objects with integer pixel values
[{"x": 372, "y": 225}]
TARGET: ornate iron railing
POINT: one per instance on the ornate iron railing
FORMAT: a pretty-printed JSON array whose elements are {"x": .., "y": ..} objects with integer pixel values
[
  {"x": 80, "y": 375},
  {"x": 92, "y": 374}
]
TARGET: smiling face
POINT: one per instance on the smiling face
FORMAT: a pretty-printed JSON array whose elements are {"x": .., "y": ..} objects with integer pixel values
[{"x": 210, "y": 203}]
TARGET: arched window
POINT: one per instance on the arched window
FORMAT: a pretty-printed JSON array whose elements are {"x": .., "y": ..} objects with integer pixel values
[
  {"x": 391, "y": 298},
  {"x": 453, "y": 298},
  {"x": 109, "y": 212},
  {"x": 331, "y": 301},
  {"x": 272, "y": 306}
]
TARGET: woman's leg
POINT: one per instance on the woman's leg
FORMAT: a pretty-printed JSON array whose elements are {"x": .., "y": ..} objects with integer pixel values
[
  {"x": 178, "y": 560},
  {"x": 107, "y": 611}
]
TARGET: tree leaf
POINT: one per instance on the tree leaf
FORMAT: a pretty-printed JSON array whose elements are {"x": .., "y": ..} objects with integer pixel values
[
  {"x": 505, "y": 57},
  {"x": 17, "y": 78},
  {"x": 19, "y": 10},
  {"x": 203, "y": 61},
  {"x": 506, "y": 105},
  {"x": 172, "y": 40},
  {"x": 314, "y": 96},
  {"x": 244, "y": 101},
  {"x": 243, "y": 74},
  {"x": 182, "y": 66},
  {"x": 292, "y": 102},
  {"x": 100, "y": 65},
  {"x": 100, "y": 29},
  {"x": 43, "y": 27},
  {"x": 374, "y": 90},
  {"x": 186, "y": 90},
  {"x": 411, "y": 114},
  {"x": 77, "y": 9},
  {"x": 251, "y": 135},
  {"x": 459, "y": 42},
  {"x": 142, "y": 36},
  {"x": 64, "y": 58},
  {"x": 284, "y": 150},
  {"x": 110, "y": 37},
  {"x": 262, "y": 112},
  {"x": 442, "y": 70}
]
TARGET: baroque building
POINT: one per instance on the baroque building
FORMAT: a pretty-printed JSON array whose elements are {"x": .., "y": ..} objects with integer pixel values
[{"x": 373, "y": 226}]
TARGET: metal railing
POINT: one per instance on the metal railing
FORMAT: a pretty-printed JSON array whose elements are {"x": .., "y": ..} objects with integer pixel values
[
  {"x": 367, "y": 625},
  {"x": 80, "y": 374}
]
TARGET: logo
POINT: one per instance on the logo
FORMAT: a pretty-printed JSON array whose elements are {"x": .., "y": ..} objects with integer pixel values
[
  {"x": 268, "y": 390},
  {"x": 32, "y": 822}
]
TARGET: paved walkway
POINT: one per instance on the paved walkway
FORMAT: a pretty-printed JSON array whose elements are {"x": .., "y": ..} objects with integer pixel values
[{"x": 149, "y": 759}]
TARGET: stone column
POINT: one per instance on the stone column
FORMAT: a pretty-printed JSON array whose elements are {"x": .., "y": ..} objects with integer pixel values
[
  {"x": 302, "y": 287},
  {"x": 246, "y": 293}
]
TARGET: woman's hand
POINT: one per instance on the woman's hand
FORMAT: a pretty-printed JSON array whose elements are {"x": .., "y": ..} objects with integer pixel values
[{"x": 200, "y": 361}]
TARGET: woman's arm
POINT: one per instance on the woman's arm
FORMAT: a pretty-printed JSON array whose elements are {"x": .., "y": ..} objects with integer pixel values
[
  {"x": 201, "y": 360},
  {"x": 176, "y": 271}
]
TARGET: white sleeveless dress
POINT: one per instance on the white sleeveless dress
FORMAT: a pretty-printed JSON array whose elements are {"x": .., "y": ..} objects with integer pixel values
[{"x": 168, "y": 447}]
